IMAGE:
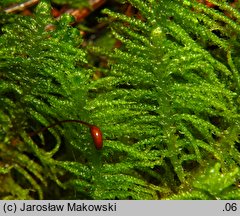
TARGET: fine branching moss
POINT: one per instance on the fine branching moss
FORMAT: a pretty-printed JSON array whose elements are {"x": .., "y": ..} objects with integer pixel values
[
  {"x": 42, "y": 81},
  {"x": 172, "y": 91},
  {"x": 167, "y": 103}
]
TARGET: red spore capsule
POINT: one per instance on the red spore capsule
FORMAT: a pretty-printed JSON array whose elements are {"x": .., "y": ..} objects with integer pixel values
[
  {"x": 97, "y": 137},
  {"x": 94, "y": 130}
]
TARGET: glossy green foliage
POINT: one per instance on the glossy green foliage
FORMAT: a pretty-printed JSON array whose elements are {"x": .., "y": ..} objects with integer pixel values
[
  {"x": 42, "y": 81},
  {"x": 212, "y": 183},
  {"x": 167, "y": 104},
  {"x": 170, "y": 101}
]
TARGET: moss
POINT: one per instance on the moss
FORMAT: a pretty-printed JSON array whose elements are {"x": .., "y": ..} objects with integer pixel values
[{"x": 166, "y": 101}]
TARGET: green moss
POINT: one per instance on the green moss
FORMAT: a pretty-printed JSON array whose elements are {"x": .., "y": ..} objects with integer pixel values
[
  {"x": 40, "y": 75},
  {"x": 167, "y": 103}
]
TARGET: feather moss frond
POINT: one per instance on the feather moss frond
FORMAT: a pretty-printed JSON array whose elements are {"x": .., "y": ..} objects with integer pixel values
[
  {"x": 167, "y": 104},
  {"x": 42, "y": 80},
  {"x": 213, "y": 184},
  {"x": 170, "y": 99}
]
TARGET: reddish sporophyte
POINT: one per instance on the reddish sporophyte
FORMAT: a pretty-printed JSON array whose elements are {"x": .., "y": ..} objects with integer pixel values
[{"x": 94, "y": 130}]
